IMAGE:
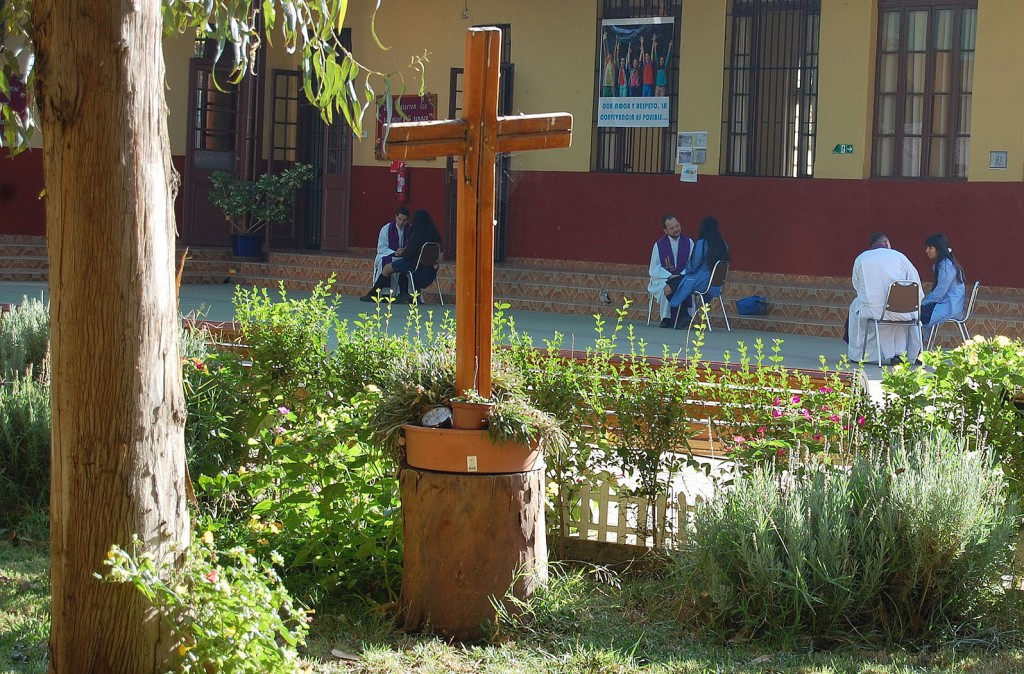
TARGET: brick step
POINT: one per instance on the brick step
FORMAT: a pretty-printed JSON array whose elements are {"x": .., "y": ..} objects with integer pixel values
[{"x": 24, "y": 276}]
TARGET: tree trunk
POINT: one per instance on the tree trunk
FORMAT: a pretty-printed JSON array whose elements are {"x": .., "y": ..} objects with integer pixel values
[
  {"x": 469, "y": 538},
  {"x": 118, "y": 410}
]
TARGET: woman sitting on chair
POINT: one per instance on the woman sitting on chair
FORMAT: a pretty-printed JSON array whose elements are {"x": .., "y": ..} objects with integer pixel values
[
  {"x": 709, "y": 249},
  {"x": 423, "y": 231},
  {"x": 946, "y": 300}
]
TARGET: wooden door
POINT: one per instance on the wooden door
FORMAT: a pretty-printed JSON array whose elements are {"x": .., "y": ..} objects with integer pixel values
[
  {"x": 224, "y": 134},
  {"x": 212, "y": 145},
  {"x": 335, "y": 190}
]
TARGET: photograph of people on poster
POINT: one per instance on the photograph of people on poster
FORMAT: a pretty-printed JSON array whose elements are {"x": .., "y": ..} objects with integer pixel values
[{"x": 635, "y": 69}]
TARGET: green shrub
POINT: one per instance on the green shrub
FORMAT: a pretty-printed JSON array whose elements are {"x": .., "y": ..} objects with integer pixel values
[
  {"x": 230, "y": 613},
  {"x": 288, "y": 339},
  {"x": 317, "y": 492},
  {"x": 24, "y": 339},
  {"x": 895, "y": 548},
  {"x": 969, "y": 390},
  {"x": 24, "y": 448}
]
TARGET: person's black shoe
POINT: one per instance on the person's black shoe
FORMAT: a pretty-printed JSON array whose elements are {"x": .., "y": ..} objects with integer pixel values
[
  {"x": 369, "y": 297},
  {"x": 666, "y": 323},
  {"x": 404, "y": 298}
]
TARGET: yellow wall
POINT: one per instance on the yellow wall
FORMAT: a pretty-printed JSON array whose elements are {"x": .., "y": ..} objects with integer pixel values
[
  {"x": 552, "y": 48},
  {"x": 701, "y": 74},
  {"x": 178, "y": 49},
  {"x": 997, "y": 122},
  {"x": 846, "y": 64}
]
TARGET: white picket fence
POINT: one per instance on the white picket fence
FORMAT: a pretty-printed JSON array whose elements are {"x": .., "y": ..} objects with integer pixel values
[{"x": 605, "y": 515}]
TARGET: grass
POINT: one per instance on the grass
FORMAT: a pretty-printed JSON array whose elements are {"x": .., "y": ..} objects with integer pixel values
[
  {"x": 24, "y": 607},
  {"x": 582, "y": 624}
]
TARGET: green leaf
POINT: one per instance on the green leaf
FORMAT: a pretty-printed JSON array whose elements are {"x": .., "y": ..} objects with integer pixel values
[{"x": 263, "y": 506}]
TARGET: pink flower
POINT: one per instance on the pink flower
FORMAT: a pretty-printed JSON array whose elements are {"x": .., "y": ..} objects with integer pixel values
[
  {"x": 835, "y": 417},
  {"x": 283, "y": 410},
  {"x": 816, "y": 436},
  {"x": 777, "y": 401},
  {"x": 824, "y": 408},
  {"x": 738, "y": 439},
  {"x": 860, "y": 420},
  {"x": 279, "y": 430},
  {"x": 795, "y": 399},
  {"x": 212, "y": 576},
  {"x": 807, "y": 415},
  {"x": 776, "y": 413},
  {"x": 761, "y": 430},
  {"x": 826, "y": 389},
  {"x": 781, "y": 452}
]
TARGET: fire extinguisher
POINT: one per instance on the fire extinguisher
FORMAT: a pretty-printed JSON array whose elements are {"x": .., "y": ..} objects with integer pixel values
[{"x": 402, "y": 184}]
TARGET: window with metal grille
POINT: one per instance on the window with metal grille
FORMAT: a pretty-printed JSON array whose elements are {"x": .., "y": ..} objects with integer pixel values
[
  {"x": 216, "y": 111},
  {"x": 923, "y": 83},
  {"x": 770, "y": 106},
  {"x": 285, "y": 123},
  {"x": 639, "y": 149}
]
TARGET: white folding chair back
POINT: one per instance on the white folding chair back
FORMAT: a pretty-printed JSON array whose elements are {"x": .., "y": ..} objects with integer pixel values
[
  {"x": 718, "y": 275},
  {"x": 961, "y": 323},
  {"x": 903, "y": 297},
  {"x": 430, "y": 253}
]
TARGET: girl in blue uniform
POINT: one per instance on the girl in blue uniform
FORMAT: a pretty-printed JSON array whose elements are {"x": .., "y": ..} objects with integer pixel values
[{"x": 946, "y": 300}]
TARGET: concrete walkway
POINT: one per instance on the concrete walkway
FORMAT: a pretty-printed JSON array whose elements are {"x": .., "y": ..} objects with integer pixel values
[{"x": 214, "y": 303}]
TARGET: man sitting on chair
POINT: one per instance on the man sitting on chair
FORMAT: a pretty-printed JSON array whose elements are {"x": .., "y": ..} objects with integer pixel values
[
  {"x": 391, "y": 240},
  {"x": 668, "y": 260},
  {"x": 423, "y": 231},
  {"x": 874, "y": 270}
]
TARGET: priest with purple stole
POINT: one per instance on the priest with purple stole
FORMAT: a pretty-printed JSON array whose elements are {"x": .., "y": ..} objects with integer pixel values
[
  {"x": 668, "y": 260},
  {"x": 392, "y": 238}
]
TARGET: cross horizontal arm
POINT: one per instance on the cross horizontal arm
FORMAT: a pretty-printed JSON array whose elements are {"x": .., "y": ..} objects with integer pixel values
[
  {"x": 425, "y": 140},
  {"x": 534, "y": 132}
]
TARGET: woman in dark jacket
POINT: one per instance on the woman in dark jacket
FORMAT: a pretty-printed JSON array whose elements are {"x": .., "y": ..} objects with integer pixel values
[{"x": 423, "y": 231}]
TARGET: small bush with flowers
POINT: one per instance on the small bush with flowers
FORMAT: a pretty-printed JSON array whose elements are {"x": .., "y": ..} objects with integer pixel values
[
  {"x": 770, "y": 413},
  {"x": 230, "y": 612},
  {"x": 975, "y": 390}
]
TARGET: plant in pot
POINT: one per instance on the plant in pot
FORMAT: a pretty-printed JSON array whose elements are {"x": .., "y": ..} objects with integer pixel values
[
  {"x": 423, "y": 381},
  {"x": 250, "y": 205},
  {"x": 470, "y": 411}
]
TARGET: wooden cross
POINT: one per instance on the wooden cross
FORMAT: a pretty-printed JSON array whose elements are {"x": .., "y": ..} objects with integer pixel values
[{"x": 475, "y": 140}]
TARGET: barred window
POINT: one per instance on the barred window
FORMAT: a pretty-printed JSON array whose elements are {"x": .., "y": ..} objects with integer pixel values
[
  {"x": 770, "y": 102},
  {"x": 923, "y": 83},
  {"x": 639, "y": 148}
]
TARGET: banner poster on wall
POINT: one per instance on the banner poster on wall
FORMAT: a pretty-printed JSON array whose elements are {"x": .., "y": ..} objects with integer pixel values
[{"x": 634, "y": 71}]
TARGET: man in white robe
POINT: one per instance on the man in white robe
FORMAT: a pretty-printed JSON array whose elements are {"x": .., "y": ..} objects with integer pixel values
[
  {"x": 874, "y": 270},
  {"x": 392, "y": 238},
  {"x": 668, "y": 259}
]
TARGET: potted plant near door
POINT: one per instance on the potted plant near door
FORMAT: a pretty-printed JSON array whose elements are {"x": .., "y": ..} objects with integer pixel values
[{"x": 250, "y": 205}]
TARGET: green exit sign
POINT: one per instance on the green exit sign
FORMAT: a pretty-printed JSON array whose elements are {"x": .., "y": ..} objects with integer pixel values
[{"x": 842, "y": 149}]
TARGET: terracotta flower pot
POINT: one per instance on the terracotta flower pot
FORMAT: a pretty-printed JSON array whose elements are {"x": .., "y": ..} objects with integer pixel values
[
  {"x": 470, "y": 416},
  {"x": 451, "y": 450}
]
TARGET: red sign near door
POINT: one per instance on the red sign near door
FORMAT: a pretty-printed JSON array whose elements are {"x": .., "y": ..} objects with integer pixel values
[{"x": 415, "y": 108}]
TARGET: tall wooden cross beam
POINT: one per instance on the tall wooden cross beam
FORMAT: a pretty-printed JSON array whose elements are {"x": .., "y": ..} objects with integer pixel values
[{"x": 475, "y": 140}]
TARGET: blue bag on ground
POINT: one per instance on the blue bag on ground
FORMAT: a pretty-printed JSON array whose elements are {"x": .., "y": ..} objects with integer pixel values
[{"x": 755, "y": 305}]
